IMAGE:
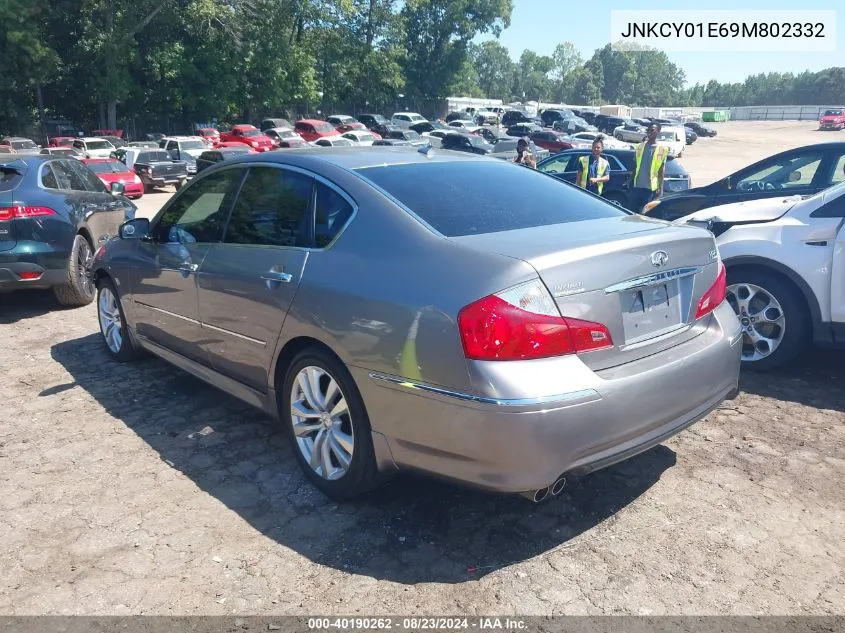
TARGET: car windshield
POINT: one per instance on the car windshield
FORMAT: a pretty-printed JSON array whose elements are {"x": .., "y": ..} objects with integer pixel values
[
  {"x": 666, "y": 136},
  {"x": 836, "y": 112},
  {"x": 251, "y": 133},
  {"x": 454, "y": 209},
  {"x": 198, "y": 144},
  {"x": 98, "y": 145},
  {"x": 111, "y": 167},
  {"x": 323, "y": 126},
  {"x": 24, "y": 145},
  {"x": 416, "y": 117},
  {"x": 478, "y": 141},
  {"x": 366, "y": 138},
  {"x": 285, "y": 133},
  {"x": 152, "y": 157}
]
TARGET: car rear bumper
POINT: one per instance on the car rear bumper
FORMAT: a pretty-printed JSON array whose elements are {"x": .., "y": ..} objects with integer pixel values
[
  {"x": 597, "y": 418},
  {"x": 33, "y": 257},
  {"x": 166, "y": 180}
]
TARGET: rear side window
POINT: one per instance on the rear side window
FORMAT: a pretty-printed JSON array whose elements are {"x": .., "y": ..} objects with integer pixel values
[
  {"x": 92, "y": 183},
  {"x": 271, "y": 209},
  {"x": 331, "y": 214},
  {"x": 48, "y": 178},
  {"x": 513, "y": 197},
  {"x": 9, "y": 178},
  {"x": 67, "y": 178}
]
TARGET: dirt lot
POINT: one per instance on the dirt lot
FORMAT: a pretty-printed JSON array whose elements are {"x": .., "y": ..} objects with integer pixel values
[{"x": 136, "y": 489}]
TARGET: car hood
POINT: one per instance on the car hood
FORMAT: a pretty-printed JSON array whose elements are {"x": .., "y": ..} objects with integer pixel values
[
  {"x": 764, "y": 210},
  {"x": 193, "y": 153}
]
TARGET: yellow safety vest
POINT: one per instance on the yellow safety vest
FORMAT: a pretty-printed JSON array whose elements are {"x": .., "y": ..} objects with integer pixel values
[
  {"x": 601, "y": 169},
  {"x": 657, "y": 160}
]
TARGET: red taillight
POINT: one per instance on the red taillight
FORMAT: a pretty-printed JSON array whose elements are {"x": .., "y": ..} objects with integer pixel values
[
  {"x": 524, "y": 323},
  {"x": 715, "y": 295},
  {"x": 29, "y": 275},
  {"x": 22, "y": 212}
]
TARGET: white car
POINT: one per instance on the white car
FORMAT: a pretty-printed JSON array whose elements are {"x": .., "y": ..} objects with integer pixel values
[
  {"x": 404, "y": 120},
  {"x": 341, "y": 119},
  {"x": 609, "y": 141},
  {"x": 630, "y": 132},
  {"x": 187, "y": 148},
  {"x": 360, "y": 137},
  {"x": 673, "y": 137},
  {"x": 93, "y": 147},
  {"x": 285, "y": 136},
  {"x": 332, "y": 141},
  {"x": 785, "y": 260},
  {"x": 463, "y": 124}
]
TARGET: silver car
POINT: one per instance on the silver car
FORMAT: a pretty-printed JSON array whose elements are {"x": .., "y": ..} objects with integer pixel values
[{"x": 391, "y": 315}]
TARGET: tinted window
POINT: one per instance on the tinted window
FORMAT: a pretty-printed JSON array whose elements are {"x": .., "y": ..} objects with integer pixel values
[
  {"x": 152, "y": 157},
  {"x": 9, "y": 178},
  {"x": 452, "y": 208},
  {"x": 557, "y": 165},
  {"x": 784, "y": 173},
  {"x": 67, "y": 178},
  {"x": 199, "y": 214},
  {"x": 48, "y": 178},
  {"x": 271, "y": 209},
  {"x": 838, "y": 171},
  {"x": 92, "y": 183},
  {"x": 331, "y": 214}
]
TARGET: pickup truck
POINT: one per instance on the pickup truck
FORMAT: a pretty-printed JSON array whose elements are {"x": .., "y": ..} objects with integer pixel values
[
  {"x": 832, "y": 119},
  {"x": 248, "y": 135},
  {"x": 156, "y": 168}
]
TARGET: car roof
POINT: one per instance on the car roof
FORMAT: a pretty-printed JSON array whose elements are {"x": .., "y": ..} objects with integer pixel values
[
  {"x": 356, "y": 157},
  {"x": 244, "y": 125},
  {"x": 100, "y": 160},
  {"x": 16, "y": 138},
  {"x": 414, "y": 113},
  {"x": 182, "y": 138}
]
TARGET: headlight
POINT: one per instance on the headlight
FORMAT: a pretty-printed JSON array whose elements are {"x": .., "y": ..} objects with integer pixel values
[
  {"x": 648, "y": 207},
  {"x": 135, "y": 179},
  {"x": 253, "y": 143}
]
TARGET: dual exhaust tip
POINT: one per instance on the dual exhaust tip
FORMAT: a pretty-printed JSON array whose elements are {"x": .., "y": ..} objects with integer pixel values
[{"x": 541, "y": 494}]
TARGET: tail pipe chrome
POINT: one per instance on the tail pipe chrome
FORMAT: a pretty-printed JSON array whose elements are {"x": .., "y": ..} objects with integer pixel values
[{"x": 541, "y": 494}]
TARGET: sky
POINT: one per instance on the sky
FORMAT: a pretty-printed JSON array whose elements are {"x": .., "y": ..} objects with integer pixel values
[{"x": 540, "y": 25}]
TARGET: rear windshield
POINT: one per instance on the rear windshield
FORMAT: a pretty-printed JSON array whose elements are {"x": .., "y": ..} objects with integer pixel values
[
  {"x": 323, "y": 127},
  {"x": 112, "y": 167},
  {"x": 198, "y": 144},
  {"x": 512, "y": 197},
  {"x": 9, "y": 178},
  {"x": 152, "y": 157},
  {"x": 251, "y": 133},
  {"x": 24, "y": 145},
  {"x": 674, "y": 168},
  {"x": 98, "y": 145}
]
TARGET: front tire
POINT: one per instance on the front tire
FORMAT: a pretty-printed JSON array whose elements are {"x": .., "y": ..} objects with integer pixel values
[
  {"x": 113, "y": 323},
  {"x": 327, "y": 423},
  {"x": 773, "y": 315},
  {"x": 179, "y": 185},
  {"x": 78, "y": 290}
]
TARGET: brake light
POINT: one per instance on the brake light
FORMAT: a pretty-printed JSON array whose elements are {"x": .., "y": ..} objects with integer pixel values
[
  {"x": 29, "y": 275},
  {"x": 715, "y": 295},
  {"x": 522, "y": 323},
  {"x": 22, "y": 212}
]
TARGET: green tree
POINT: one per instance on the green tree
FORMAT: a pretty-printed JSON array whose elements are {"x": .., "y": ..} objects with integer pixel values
[
  {"x": 495, "y": 69},
  {"x": 566, "y": 63}
]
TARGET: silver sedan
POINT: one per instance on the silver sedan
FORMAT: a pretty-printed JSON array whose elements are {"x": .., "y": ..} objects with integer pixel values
[{"x": 442, "y": 312}]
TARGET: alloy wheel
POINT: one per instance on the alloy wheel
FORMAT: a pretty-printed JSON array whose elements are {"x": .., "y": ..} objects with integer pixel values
[
  {"x": 322, "y": 423},
  {"x": 762, "y": 319},
  {"x": 83, "y": 267},
  {"x": 110, "y": 324}
]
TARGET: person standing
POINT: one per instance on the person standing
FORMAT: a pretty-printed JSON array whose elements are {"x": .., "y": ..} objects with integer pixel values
[
  {"x": 523, "y": 154},
  {"x": 648, "y": 173},
  {"x": 593, "y": 169}
]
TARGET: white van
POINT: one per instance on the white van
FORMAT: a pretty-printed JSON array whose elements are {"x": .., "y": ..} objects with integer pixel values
[
  {"x": 404, "y": 120},
  {"x": 674, "y": 137}
]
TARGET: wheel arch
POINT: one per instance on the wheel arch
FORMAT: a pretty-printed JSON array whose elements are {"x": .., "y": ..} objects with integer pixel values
[
  {"x": 84, "y": 232},
  {"x": 811, "y": 302},
  {"x": 290, "y": 350}
]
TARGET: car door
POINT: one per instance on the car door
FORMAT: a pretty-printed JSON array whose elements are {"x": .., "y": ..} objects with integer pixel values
[
  {"x": 558, "y": 166},
  {"x": 247, "y": 282},
  {"x": 837, "y": 286},
  {"x": 104, "y": 212},
  {"x": 163, "y": 281}
]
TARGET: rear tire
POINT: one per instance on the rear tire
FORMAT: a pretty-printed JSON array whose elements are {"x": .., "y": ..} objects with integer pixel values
[
  {"x": 179, "y": 185},
  {"x": 328, "y": 467},
  {"x": 754, "y": 288},
  {"x": 112, "y": 321},
  {"x": 78, "y": 290}
]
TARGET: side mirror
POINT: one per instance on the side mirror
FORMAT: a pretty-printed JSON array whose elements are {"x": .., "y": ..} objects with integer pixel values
[
  {"x": 725, "y": 183},
  {"x": 794, "y": 176},
  {"x": 117, "y": 188},
  {"x": 136, "y": 229}
]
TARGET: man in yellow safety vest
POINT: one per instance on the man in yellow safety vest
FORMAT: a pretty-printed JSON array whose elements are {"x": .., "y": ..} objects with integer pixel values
[
  {"x": 592, "y": 173},
  {"x": 648, "y": 173}
]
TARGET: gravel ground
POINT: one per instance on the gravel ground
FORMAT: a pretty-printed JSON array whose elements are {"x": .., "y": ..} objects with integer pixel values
[{"x": 136, "y": 489}]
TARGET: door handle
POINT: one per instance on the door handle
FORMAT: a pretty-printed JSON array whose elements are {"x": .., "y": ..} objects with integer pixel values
[
  {"x": 275, "y": 275},
  {"x": 189, "y": 268}
]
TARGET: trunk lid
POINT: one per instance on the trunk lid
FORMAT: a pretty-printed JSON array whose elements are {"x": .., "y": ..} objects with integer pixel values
[{"x": 641, "y": 278}]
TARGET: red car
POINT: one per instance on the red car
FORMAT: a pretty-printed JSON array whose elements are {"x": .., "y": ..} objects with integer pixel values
[
  {"x": 62, "y": 141},
  {"x": 553, "y": 141},
  {"x": 233, "y": 144},
  {"x": 248, "y": 135},
  {"x": 350, "y": 127},
  {"x": 110, "y": 171},
  {"x": 313, "y": 129},
  {"x": 117, "y": 133},
  {"x": 210, "y": 134},
  {"x": 832, "y": 119}
]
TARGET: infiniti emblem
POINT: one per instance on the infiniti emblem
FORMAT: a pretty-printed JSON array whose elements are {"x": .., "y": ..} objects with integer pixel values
[{"x": 659, "y": 258}]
